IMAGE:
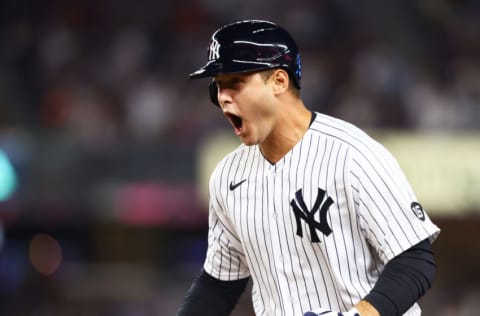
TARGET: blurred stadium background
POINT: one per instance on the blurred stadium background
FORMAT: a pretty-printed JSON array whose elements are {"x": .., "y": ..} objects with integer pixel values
[{"x": 106, "y": 146}]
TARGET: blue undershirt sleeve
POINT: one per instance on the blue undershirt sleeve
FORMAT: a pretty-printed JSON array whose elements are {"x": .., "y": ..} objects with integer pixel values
[
  {"x": 404, "y": 280},
  {"x": 210, "y": 296}
]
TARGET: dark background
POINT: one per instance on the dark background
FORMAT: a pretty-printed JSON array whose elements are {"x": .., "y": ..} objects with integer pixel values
[{"x": 104, "y": 131}]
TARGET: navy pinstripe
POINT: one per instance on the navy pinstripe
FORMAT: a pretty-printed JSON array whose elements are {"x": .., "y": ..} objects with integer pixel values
[{"x": 253, "y": 228}]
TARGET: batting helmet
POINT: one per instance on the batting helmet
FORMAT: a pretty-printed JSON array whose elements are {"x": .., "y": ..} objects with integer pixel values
[{"x": 250, "y": 45}]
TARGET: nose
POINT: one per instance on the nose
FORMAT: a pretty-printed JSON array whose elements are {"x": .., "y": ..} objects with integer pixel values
[{"x": 223, "y": 96}]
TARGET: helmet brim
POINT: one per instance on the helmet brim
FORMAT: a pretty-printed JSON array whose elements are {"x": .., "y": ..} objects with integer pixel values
[
  {"x": 210, "y": 69},
  {"x": 214, "y": 68}
]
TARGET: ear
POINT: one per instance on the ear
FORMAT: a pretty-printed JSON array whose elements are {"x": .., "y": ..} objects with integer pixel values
[{"x": 280, "y": 81}]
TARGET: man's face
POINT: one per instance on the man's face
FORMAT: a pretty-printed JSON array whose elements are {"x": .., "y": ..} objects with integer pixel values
[{"x": 247, "y": 101}]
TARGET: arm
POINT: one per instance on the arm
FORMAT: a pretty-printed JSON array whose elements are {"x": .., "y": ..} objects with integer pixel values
[
  {"x": 404, "y": 280},
  {"x": 390, "y": 219},
  {"x": 210, "y": 296}
]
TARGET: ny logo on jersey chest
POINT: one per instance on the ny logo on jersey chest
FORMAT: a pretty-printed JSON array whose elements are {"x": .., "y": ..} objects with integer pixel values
[{"x": 301, "y": 211}]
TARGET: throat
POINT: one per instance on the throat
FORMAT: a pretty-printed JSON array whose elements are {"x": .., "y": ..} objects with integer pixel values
[
  {"x": 282, "y": 140},
  {"x": 274, "y": 152},
  {"x": 279, "y": 143}
]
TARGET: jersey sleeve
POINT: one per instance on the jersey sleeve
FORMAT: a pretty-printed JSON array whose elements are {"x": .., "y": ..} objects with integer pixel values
[
  {"x": 390, "y": 216},
  {"x": 225, "y": 259}
]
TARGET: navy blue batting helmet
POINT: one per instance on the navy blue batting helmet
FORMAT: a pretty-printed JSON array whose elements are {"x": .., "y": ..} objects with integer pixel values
[{"x": 251, "y": 45}]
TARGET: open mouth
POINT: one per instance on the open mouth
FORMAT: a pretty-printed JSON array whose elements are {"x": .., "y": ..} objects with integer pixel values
[{"x": 236, "y": 122}]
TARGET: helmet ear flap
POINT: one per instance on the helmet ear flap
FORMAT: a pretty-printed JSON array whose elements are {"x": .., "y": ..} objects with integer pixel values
[{"x": 213, "y": 91}]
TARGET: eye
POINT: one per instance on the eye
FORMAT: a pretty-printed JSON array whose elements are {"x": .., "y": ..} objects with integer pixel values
[
  {"x": 231, "y": 82},
  {"x": 236, "y": 80}
]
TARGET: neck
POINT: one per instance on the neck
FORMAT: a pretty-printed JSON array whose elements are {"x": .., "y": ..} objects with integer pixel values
[{"x": 288, "y": 131}]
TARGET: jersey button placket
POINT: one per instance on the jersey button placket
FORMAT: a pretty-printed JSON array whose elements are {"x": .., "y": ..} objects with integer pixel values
[
  {"x": 275, "y": 242},
  {"x": 278, "y": 244},
  {"x": 272, "y": 307}
]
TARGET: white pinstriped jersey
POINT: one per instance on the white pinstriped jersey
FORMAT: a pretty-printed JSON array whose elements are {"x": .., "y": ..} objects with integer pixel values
[{"x": 316, "y": 228}]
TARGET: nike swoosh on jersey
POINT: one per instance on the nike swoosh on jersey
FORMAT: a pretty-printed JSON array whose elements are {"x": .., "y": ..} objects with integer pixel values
[{"x": 236, "y": 185}]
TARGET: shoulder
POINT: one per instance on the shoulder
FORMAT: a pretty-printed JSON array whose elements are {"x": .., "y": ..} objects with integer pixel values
[
  {"x": 231, "y": 161},
  {"x": 367, "y": 157},
  {"x": 336, "y": 130}
]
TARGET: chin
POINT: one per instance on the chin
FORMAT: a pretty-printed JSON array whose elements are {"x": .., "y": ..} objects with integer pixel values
[{"x": 249, "y": 142}]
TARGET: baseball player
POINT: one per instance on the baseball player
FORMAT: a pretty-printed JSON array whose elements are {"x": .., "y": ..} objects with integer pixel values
[{"x": 310, "y": 208}]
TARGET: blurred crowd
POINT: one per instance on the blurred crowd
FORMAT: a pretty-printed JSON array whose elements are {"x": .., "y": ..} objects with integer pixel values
[
  {"x": 105, "y": 80},
  {"x": 99, "y": 119},
  {"x": 107, "y": 71}
]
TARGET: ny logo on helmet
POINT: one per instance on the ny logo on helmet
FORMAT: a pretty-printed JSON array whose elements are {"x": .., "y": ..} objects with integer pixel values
[{"x": 214, "y": 51}]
